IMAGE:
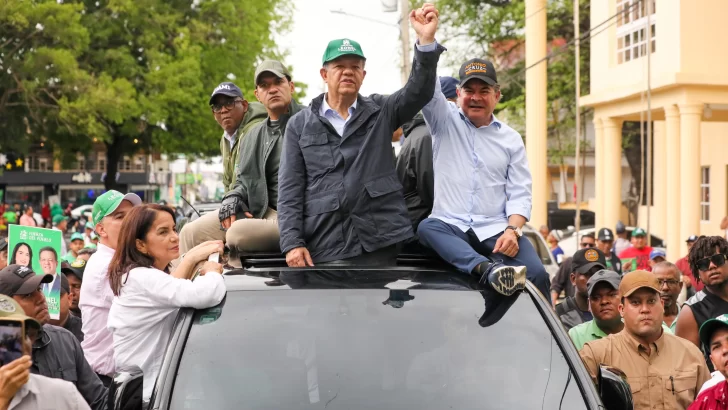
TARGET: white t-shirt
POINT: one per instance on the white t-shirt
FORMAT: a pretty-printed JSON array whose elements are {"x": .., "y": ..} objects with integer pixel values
[
  {"x": 142, "y": 316},
  {"x": 716, "y": 377}
]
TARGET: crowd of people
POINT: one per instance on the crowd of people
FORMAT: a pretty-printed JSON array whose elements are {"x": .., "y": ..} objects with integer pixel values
[{"x": 321, "y": 185}]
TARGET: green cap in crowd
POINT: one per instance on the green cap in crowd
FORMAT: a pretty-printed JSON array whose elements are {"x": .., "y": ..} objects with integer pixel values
[
  {"x": 709, "y": 327},
  {"x": 107, "y": 203},
  {"x": 59, "y": 218},
  {"x": 77, "y": 236},
  {"x": 342, "y": 47}
]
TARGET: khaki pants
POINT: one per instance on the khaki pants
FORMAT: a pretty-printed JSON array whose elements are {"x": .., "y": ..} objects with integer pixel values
[{"x": 245, "y": 235}]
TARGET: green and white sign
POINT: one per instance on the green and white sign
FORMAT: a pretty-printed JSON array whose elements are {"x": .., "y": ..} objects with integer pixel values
[{"x": 39, "y": 249}]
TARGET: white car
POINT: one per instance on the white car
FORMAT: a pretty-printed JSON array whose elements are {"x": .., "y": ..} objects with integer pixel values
[
  {"x": 542, "y": 249},
  {"x": 569, "y": 246},
  {"x": 83, "y": 210}
]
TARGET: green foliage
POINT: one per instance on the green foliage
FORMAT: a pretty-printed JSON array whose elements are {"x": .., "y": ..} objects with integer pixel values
[
  {"x": 124, "y": 70},
  {"x": 497, "y": 30}
]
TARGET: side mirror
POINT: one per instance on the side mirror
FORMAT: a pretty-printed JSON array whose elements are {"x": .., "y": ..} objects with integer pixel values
[
  {"x": 614, "y": 389},
  {"x": 125, "y": 391}
]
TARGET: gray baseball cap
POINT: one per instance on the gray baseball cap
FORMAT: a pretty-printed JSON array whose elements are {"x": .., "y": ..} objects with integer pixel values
[
  {"x": 608, "y": 276},
  {"x": 271, "y": 66},
  {"x": 21, "y": 280}
]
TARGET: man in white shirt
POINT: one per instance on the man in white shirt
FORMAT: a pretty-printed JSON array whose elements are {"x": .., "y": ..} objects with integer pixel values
[{"x": 96, "y": 295}]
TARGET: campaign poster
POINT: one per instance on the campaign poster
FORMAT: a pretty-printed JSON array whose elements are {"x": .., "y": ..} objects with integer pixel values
[{"x": 40, "y": 250}]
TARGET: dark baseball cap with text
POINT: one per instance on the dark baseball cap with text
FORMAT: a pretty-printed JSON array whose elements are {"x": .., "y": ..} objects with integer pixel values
[
  {"x": 480, "y": 69},
  {"x": 585, "y": 259},
  {"x": 21, "y": 280}
]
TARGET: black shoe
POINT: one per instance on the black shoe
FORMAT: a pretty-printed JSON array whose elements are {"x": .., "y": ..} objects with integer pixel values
[{"x": 505, "y": 280}]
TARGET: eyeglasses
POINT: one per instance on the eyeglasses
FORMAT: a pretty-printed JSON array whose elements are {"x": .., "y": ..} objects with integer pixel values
[
  {"x": 227, "y": 104},
  {"x": 587, "y": 245},
  {"x": 718, "y": 260},
  {"x": 670, "y": 282}
]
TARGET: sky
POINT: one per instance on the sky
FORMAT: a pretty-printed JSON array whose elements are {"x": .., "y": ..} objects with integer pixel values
[{"x": 314, "y": 25}]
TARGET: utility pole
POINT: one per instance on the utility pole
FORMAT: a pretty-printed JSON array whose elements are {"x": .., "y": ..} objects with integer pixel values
[
  {"x": 536, "y": 100},
  {"x": 405, "y": 39},
  {"x": 649, "y": 120},
  {"x": 577, "y": 166}
]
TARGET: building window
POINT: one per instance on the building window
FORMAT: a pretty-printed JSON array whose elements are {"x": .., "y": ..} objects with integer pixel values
[
  {"x": 124, "y": 164},
  {"x": 705, "y": 194},
  {"x": 632, "y": 29},
  {"x": 102, "y": 164},
  {"x": 139, "y": 163}
]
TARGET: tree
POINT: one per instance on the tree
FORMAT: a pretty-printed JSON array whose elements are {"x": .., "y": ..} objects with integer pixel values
[{"x": 133, "y": 74}]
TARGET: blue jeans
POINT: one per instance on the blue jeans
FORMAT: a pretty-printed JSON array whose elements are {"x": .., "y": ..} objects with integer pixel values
[{"x": 465, "y": 251}]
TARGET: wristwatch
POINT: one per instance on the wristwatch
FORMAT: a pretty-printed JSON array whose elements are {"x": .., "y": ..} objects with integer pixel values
[{"x": 518, "y": 231}]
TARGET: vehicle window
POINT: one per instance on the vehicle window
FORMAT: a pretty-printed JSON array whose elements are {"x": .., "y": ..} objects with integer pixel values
[
  {"x": 539, "y": 246},
  {"x": 345, "y": 349}
]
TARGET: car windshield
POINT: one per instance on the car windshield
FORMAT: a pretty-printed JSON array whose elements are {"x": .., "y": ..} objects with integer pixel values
[{"x": 370, "y": 349}]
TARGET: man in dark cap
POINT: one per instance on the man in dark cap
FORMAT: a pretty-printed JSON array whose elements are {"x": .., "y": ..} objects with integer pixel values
[
  {"x": 621, "y": 242},
  {"x": 340, "y": 201},
  {"x": 605, "y": 243},
  {"x": 236, "y": 117},
  {"x": 74, "y": 275},
  {"x": 56, "y": 351},
  {"x": 574, "y": 310},
  {"x": 414, "y": 163},
  {"x": 249, "y": 210},
  {"x": 482, "y": 186},
  {"x": 603, "y": 290}
]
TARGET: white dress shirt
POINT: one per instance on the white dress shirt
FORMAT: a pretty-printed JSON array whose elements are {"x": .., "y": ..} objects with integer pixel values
[
  {"x": 334, "y": 118},
  {"x": 95, "y": 301},
  {"x": 481, "y": 173},
  {"x": 142, "y": 316}
]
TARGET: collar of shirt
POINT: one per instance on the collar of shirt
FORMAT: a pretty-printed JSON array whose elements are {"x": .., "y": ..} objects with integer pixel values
[
  {"x": 101, "y": 248},
  {"x": 595, "y": 330},
  {"x": 674, "y": 322},
  {"x": 231, "y": 138},
  {"x": 28, "y": 388},
  {"x": 493, "y": 120},
  {"x": 326, "y": 108},
  {"x": 655, "y": 347}
]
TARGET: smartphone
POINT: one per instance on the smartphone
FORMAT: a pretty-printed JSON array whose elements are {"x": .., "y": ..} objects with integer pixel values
[{"x": 11, "y": 340}]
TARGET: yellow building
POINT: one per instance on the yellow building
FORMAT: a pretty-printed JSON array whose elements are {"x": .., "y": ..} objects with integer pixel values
[{"x": 689, "y": 106}]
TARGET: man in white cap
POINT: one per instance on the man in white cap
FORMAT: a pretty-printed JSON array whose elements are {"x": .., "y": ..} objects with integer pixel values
[{"x": 96, "y": 296}]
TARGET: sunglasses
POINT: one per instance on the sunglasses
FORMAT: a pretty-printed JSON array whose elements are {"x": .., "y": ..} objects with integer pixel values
[
  {"x": 718, "y": 260},
  {"x": 225, "y": 104},
  {"x": 587, "y": 245}
]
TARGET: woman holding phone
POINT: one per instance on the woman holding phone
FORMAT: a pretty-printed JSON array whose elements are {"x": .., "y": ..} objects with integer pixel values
[
  {"x": 147, "y": 295},
  {"x": 22, "y": 255}
]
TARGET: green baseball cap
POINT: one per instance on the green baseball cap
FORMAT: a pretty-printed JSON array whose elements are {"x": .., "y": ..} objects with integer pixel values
[
  {"x": 10, "y": 309},
  {"x": 342, "y": 47},
  {"x": 709, "y": 327},
  {"x": 271, "y": 66},
  {"x": 107, "y": 203},
  {"x": 77, "y": 236},
  {"x": 59, "y": 218},
  {"x": 90, "y": 225},
  {"x": 639, "y": 232}
]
